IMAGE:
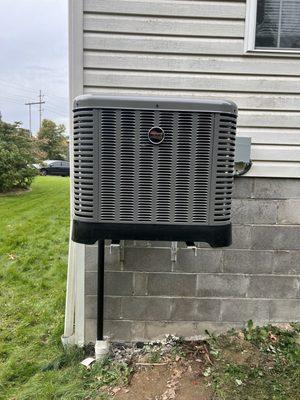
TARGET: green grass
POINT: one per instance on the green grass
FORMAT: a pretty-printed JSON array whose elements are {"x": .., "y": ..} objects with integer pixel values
[
  {"x": 34, "y": 233},
  {"x": 34, "y": 228}
]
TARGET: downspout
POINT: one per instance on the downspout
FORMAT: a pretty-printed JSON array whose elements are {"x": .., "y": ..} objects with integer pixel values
[{"x": 68, "y": 335}]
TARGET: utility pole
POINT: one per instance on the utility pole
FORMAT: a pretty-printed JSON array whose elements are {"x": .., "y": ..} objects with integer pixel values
[
  {"x": 40, "y": 107},
  {"x": 29, "y": 104},
  {"x": 29, "y": 110}
]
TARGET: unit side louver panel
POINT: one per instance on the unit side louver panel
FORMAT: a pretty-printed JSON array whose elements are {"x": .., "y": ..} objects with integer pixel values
[
  {"x": 164, "y": 168},
  {"x": 224, "y": 168},
  {"x": 145, "y": 168},
  {"x": 108, "y": 158},
  {"x": 183, "y": 167},
  {"x": 83, "y": 163},
  {"x": 203, "y": 156},
  {"x": 127, "y": 164}
]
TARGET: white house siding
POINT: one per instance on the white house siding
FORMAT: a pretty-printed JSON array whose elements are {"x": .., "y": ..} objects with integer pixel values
[{"x": 196, "y": 48}]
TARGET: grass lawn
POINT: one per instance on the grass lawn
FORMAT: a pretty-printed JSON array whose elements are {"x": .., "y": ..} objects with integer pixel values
[
  {"x": 34, "y": 231},
  {"x": 34, "y": 228},
  {"x": 262, "y": 363}
]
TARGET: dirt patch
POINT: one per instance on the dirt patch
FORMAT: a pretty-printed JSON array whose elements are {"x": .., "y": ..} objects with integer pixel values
[
  {"x": 146, "y": 383},
  {"x": 178, "y": 372},
  {"x": 178, "y": 380},
  {"x": 193, "y": 385}
]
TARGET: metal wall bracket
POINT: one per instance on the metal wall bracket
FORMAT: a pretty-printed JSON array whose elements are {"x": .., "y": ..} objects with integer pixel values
[
  {"x": 122, "y": 252},
  {"x": 194, "y": 248},
  {"x": 174, "y": 249},
  {"x": 117, "y": 246}
]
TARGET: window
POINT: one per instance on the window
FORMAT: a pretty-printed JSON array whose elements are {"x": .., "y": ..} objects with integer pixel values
[
  {"x": 273, "y": 25},
  {"x": 55, "y": 164}
]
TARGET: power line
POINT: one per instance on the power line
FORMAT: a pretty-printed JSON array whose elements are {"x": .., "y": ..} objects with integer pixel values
[
  {"x": 53, "y": 104},
  {"x": 58, "y": 108},
  {"x": 25, "y": 89},
  {"x": 55, "y": 112},
  {"x": 15, "y": 86},
  {"x": 61, "y": 110},
  {"x": 14, "y": 96},
  {"x": 11, "y": 100}
]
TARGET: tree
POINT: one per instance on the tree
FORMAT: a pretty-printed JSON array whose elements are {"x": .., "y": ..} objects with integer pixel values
[
  {"x": 17, "y": 154},
  {"x": 52, "y": 140}
]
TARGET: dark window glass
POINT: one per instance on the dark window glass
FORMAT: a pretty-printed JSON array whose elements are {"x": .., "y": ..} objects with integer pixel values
[{"x": 278, "y": 24}]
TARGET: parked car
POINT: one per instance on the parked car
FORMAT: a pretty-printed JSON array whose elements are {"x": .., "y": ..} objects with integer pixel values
[{"x": 54, "y": 167}]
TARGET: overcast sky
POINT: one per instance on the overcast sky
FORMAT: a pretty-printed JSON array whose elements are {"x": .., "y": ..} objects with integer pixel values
[{"x": 34, "y": 56}]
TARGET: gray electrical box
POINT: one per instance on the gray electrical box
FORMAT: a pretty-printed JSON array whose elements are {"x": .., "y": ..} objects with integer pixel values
[
  {"x": 242, "y": 149},
  {"x": 153, "y": 169}
]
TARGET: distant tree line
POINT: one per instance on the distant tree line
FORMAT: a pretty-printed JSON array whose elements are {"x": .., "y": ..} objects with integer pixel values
[{"x": 19, "y": 151}]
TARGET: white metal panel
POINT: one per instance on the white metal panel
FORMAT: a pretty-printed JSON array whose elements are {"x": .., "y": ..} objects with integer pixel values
[
  {"x": 163, "y": 26},
  {"x": 214, "y": 82},
  {"x": 275, "y": 169},
  {"x": 207, "y": 9},
  {"x": 269, "y": 119},
  {"x": 271, "y": 136},
  {"x": 273, "y": 152},
  {"x": 162, "y": 44},
  {"x": 189, "y": 63}
]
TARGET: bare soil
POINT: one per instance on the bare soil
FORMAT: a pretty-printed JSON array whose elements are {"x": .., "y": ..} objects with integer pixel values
[
  {"x": 172, "y": 377},
  {"x": 180, "y": 381}
]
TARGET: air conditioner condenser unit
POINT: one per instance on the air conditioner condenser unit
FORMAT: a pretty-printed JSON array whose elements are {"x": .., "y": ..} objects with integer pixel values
[{"x": 148, "y": 168}]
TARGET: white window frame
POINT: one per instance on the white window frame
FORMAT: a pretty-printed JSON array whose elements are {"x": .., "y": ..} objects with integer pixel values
[{"x": 250, "y": 29}]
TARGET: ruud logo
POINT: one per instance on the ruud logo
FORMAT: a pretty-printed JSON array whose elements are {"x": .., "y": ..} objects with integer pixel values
[{"x": 156, "y": 135}]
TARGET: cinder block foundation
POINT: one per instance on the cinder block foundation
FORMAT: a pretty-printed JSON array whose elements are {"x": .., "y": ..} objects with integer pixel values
[{"x": 258, "y": 277}]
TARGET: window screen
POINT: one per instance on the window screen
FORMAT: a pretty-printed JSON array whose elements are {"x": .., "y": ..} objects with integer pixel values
[{"x": 278, "y": 24}]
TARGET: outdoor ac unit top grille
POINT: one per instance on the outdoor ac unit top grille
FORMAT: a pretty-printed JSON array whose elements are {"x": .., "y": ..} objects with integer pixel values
[{"x": 120, "y": 177}]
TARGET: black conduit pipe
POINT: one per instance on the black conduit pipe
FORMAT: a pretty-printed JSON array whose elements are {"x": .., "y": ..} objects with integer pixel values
[{"x": 100, "y": 289}]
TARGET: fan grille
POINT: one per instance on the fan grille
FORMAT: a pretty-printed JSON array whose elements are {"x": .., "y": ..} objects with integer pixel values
[{"x": 119, "y": 176}]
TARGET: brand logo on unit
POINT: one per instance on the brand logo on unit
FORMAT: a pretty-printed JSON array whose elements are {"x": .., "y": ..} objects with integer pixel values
[{"x": 156, "y": 135}]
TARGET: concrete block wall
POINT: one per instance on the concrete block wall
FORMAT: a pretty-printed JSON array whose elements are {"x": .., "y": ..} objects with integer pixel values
[{"x": 258, "y": 277}]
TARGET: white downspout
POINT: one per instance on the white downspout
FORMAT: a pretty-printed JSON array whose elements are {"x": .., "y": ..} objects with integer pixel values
[
  {"x": 79, "y": 303},
  {"x": 68, "y": 336},
  {"x": 74, "y": 310}
]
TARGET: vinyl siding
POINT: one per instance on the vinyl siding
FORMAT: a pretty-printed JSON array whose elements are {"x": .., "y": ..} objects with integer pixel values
[{"x": 196, "y": 48}]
